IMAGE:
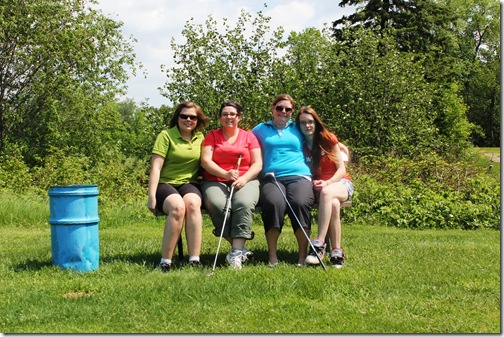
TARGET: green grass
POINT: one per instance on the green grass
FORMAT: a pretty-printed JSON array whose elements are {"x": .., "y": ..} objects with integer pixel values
[
  {"x": 394, "y": 281},
  {"x": 492, "y": 150}
]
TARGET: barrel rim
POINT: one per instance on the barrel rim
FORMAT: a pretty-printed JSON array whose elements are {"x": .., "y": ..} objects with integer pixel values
[{"x": 74, "y": 186}]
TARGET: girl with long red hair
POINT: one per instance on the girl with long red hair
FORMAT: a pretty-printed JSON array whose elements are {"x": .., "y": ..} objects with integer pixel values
[{"x": 331, "y": 182}]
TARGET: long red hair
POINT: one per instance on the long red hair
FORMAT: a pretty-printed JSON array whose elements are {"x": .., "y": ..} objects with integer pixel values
[{"x": 322, "y": 137}]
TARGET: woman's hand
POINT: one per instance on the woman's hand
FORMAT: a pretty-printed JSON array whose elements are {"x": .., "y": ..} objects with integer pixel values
[
  {"x": 151, "y": 205},
  {"x": 240, "y": 182},
  {"x": 320, "y": 184},
  {"x": 232, "y": 175}
]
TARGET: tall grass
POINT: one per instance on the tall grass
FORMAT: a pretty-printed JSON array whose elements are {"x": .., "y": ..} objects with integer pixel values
[{"x": 394, "y": 281}]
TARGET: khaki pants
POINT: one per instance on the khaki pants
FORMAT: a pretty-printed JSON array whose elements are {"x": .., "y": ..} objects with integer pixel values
[{"x": 243, "y": 203}]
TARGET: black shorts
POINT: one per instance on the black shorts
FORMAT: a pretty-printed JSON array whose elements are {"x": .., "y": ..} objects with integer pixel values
[{"x": 165, "y": 190}]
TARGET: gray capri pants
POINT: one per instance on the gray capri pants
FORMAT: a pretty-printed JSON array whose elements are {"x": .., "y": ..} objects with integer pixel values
[{"x": 239, "y": 221}]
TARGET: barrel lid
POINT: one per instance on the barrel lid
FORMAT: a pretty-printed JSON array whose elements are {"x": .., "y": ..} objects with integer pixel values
[{"x": 74, "y": 189}]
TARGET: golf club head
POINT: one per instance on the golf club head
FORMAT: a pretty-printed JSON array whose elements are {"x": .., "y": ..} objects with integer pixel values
[{"x": 269, "y": 175}]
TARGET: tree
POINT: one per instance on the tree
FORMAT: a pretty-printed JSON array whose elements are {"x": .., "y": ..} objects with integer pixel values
[
  {"x": 237, "y": 64},
  {"x": 422, "y": 27},
  {"x": 60, "y": 61},
  {"x": 478, "y": 31}
]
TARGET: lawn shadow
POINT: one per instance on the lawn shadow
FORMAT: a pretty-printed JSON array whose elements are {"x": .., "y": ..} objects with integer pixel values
[
  {"x": 32, "y": 265},
  {"x": 148, "y": 259}
]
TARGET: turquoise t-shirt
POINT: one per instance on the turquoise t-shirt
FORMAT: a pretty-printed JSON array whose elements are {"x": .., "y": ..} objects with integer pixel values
[
  {"x": 182, "y": 158},
  {"x": 282, "y": 150}
]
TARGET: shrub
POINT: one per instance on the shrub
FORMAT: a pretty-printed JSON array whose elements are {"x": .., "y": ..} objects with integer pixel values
[{"x": 426, "y": 193}]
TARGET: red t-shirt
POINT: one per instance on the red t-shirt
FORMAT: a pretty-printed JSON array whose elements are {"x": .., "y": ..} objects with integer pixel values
[
  {"x": 226, "y": 155},
  {"x": 327, "y": 166}
]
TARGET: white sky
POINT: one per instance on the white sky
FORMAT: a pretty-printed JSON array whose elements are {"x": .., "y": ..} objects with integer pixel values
[{"x": 154, "y": 22}]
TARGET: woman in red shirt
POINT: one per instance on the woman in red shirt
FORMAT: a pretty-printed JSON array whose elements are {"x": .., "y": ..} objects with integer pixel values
[
  {"x": 219, "y": 156},
  {"x": 331, "y": 182}
]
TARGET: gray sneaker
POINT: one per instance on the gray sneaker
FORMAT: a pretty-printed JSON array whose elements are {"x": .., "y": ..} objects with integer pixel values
[
  {"x": 235, "y": 259},
  {"x": 246, "y": 254},
  {"x": 312, "y": 255},
  {"x": 337, "y": 257}
]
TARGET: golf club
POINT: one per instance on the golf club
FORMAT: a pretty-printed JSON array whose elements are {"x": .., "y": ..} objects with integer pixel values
[
  {"x": 272, "y": 175},
  {"x": 226, "y": 212}
]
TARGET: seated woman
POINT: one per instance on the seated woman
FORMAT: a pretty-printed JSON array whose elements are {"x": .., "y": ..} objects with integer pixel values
[
  {"x": 331, "y": 182},
  {"x": 173, "y": 189},
  {"x": 282, "y": 146},
  {"x": 220, "y": 155}
]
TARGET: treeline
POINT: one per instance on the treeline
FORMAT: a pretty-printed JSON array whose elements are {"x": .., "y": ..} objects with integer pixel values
[{"x": 398, "y": 79}]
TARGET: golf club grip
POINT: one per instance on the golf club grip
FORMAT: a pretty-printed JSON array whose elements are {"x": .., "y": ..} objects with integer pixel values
[{"x": 239, "y": 162}]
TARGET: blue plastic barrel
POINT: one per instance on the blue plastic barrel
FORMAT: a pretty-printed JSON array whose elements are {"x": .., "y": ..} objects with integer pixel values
[{"x": 74, "y": 227}]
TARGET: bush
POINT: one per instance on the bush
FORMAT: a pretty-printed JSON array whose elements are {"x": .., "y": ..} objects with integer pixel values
[{"x": 426, "y": 193}]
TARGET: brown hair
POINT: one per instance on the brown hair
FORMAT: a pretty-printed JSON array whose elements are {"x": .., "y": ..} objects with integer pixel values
[
  {"x": 284, "y": 97},
  {"x": 202, "y": 119},
  {"x": 322, "y": 138},
  {"x": 233, "y": 104}
]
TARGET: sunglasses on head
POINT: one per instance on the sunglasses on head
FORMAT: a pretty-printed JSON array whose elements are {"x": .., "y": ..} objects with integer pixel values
[
  {"x": 184, "y": 116},
  {"x": 281, "y": 108}
]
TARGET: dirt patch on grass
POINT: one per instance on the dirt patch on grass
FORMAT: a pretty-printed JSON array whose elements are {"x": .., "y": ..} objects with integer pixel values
[{"x": 494, "y": 156}]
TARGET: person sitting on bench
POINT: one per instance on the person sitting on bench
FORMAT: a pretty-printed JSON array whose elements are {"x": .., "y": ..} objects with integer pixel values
[
  {"x": 222, "y": 150},
  {"x": 331, "y": 182}
]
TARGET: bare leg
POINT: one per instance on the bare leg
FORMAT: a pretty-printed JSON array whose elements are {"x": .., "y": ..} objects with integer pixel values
[
  {"x": 335, "y": 225},
  {"x": 326, "y": 212},
  {"x": 194, "y": 223},
  {"x": 173, "y": 206},
  {"x": 302, "y": 244},
  {"x": 272, "y": 238},
  {"x": 238, "y": 243}
]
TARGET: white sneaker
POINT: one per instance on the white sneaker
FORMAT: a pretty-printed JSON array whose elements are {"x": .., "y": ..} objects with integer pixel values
[
  {"x": 235, "y": 259},
  {"x": 319, "y": 250},
  {"x": 246, "y": 254}
]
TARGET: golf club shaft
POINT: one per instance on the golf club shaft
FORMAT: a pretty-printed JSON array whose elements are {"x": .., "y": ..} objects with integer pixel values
[
  {"x": 226, "y": 211},
  {"x": 299, "y": 223}
]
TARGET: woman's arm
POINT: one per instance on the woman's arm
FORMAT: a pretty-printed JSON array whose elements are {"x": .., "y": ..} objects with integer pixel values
[
  {"x": 340, "y": 172},
  {"x": 156, "y": 165},
  {"x": 254, "y": 169},
  {"x": 340, "y": 164},
  {"x": 213, "y": 168}
]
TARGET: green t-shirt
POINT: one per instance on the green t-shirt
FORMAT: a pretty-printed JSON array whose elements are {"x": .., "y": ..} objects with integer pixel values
[{"x": 182, "y": 158}]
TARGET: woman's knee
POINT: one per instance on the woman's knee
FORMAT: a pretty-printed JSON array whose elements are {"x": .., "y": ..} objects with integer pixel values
[
  {"x": 336, "y": 205},
  {"x": 174, "y": 208},
  {"x": 192, "y": 203}
]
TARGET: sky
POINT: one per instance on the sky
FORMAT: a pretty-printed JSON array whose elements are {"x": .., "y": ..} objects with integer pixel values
[{"x": 153, "y": 23}]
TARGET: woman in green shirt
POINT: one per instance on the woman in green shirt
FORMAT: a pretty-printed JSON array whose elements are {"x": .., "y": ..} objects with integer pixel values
[{"x": 173, "y": 189}]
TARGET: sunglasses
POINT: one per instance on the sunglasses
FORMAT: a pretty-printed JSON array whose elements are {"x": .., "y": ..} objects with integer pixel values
[
  {"x": 281, "y": 108},
  {"x": 192, "y": 118}
]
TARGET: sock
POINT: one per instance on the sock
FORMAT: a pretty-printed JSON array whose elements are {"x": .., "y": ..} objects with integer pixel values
[
  {"x": 194, "y": 258},
  {"x": 163, "y": 260}
]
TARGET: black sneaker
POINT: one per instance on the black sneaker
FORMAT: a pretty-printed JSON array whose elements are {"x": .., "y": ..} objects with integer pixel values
[
  {"x": 337, "y": 257},
  {"x": 164, "y": 267},
  {"x": 312, "y": 255}
]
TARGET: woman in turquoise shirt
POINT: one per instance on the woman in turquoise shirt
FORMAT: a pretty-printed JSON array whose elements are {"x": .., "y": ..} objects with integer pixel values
[
  {"x": 282, "y": 148},
  {"x": 173, "y": 189}
]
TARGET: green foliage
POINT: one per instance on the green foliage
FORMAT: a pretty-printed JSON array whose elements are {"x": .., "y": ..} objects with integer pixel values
[
  {"x": 378, "y": 101},
  {"x": 62, "y": 62},
  {"x": 479, "y": 38},
  {"x": 119, "y": 178},
  {"x": 237, "y": 64},
  {"x": 428, "y": 192},
  {"x": 15, "y": 175},
  {"x": 139, "y": 127}
]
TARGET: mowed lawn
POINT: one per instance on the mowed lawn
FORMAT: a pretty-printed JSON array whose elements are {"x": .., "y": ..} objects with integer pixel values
[{"x": 394, "y": 281}]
